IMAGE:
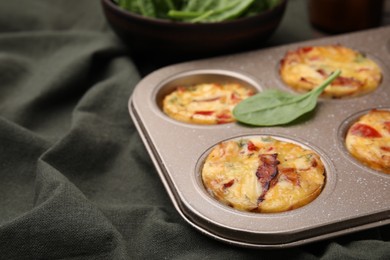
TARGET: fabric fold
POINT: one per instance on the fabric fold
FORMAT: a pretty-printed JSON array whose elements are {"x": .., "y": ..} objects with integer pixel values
[{"x": 76, "y": 181}]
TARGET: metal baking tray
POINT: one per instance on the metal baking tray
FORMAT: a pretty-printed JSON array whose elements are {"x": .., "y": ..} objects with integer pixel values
[{"x": 354, "y": 198}]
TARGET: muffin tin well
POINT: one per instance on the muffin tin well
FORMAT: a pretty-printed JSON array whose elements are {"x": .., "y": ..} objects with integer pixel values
[
  {"x": 342, "y": 132},
  {"x": 329, "y": 178},
  {"x": 193, "y": 77},
  {"x": 354, "y": 197}
]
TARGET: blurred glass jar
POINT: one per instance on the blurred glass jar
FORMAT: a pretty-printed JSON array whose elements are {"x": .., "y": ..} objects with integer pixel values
[{"x": 340, "y": 16}]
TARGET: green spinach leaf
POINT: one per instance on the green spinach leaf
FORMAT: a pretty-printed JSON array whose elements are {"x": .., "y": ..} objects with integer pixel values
[
  {"x": 275, "y": 107},
  {"x": 197, "y": 11},
  {"x": 211, "y": 10},
  {"x": 147, "y": 8}
]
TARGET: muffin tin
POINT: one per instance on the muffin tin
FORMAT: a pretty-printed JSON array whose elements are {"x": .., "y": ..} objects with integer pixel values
[{"x": 354, "y": 198}]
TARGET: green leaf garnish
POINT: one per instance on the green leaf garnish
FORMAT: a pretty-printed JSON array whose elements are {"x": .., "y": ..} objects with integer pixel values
[{"x": 275, "y": 107}]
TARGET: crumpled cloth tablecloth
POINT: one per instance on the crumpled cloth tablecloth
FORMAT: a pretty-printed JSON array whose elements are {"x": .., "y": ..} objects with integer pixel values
[{"x": 76, "y": 181}]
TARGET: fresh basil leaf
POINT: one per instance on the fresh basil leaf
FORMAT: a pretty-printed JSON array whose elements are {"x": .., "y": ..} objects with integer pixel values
[{"x": 275, "y": 107}]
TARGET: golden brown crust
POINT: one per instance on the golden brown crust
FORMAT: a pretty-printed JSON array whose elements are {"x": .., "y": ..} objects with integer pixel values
[
  {"x": 368, "y": 140},
  {"x": 305, "y": 68},
  {"x": 208, "y": 103},
  {"x": 262, "y": 174}
]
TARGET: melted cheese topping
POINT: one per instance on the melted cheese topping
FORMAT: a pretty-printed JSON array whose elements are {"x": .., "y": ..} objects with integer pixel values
[
  {"x": 207, "y": 103},
  {"x": 231, "y": 174},
  {"x": 307, "y": 67},
  {"x": 368, "y": 140}
]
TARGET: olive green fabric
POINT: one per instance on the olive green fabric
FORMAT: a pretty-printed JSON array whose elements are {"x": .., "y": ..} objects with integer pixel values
[{"x": 75, "y": 179}]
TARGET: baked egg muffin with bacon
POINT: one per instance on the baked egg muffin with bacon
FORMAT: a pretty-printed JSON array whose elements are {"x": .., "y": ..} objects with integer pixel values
[
  {"x": 306, "y": 67},
  {"x": 368, "y": 140},
  {"x": 263, "y": 174},
  {"x": 206, "y": 103}
]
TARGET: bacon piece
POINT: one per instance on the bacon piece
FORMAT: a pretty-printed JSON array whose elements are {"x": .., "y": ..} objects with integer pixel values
[
  {"x": 387, "y": 126},
  {"x": 291, "y": 175},
  {"x": 347, "y": 82},
  {"x": 251, "y": 92},
  {"x": 303, "y": 79},
  {"x": 314, "y": 163},
  {"x": 282, "y": 63},
  {"x": 228, "y": 184},
  {"x": 217, "y": 85},
  {"x": 235, "y": 97},
  {"x": 266, "y": 172},
  {"x": 385, "y": 148},
  {"x": 364, "y": 131},
  {"x": 322, "y": 72}
]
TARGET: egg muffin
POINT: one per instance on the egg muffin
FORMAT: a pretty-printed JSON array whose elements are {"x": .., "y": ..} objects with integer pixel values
[
  {"x": 206, "y": 103},
  {"x": 263, "y": 174},
  {"x": 306, "y": 67},
  {"x": 368, "y": 140}
]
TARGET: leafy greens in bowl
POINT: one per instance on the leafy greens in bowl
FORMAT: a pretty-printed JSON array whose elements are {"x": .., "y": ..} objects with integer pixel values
[
  {"x": 147, "y": 30},
  {"x": 197, "y": 11}
]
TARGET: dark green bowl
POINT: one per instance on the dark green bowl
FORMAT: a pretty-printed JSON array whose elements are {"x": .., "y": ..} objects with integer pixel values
[{"x": 148, "y": 35}]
